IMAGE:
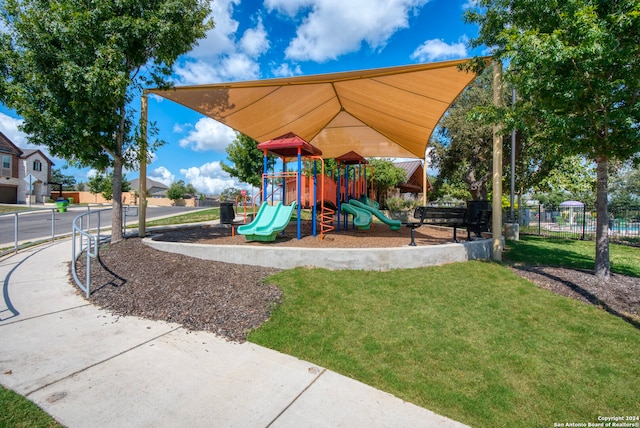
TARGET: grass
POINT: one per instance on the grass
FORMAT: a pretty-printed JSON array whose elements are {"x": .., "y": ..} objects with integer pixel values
[
  {"x": 471, "y": 341},
  {"x": 11, "y": 209},
  {"x": 534, "y": 250},
  {"x": 18, "y": 412},
  {"x": 196, "y": 217}
]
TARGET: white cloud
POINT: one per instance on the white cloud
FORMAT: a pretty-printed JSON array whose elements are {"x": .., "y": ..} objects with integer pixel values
[
  {"x": 470, "y": 4},
  {"x": 285, "y": 70},
  {"x": 210, "y": 178},
  {"x": 9, "y": 127},
  {"x": 162, "y": 175},
  {"x": 331, "y": 28},
  {"x": 254, "y": 42},
  {"x": 221, "y": 57},
  {"x": 437, "y": 49},
  {"x": 220, "y": 39},
  {"x": 208, "y": 134}
]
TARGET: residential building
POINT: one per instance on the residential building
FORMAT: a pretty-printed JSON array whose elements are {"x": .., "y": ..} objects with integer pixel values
[{"x": 25, "y": 174}]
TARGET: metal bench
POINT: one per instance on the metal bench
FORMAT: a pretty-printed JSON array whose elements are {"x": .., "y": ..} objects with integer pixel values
[{"x": 475, "y": 221}]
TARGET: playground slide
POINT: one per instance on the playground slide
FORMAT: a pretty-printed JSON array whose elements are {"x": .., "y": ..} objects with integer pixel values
[
  {"x": 361, "y": 218},
  {"x": 270, "y": 220},
  {"x": 393, "y": 224}
]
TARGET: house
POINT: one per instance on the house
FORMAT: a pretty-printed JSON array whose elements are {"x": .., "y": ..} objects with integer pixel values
[
  {"x": 414, "y": 171},
  {"x": 155, "y": 189},
  {"x": 25, "y": 174}
]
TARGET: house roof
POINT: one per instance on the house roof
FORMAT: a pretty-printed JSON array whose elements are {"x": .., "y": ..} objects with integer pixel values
[
  {"x": 388, "y": 112},
  {"x": 7, "y": 146},
  {"x": 414, "y": 171},
  {"x": 30, "y": 152},
  {"x": 135, "y": 184}
]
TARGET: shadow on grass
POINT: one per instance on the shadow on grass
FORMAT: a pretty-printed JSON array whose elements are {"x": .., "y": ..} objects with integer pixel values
[
  {"x": 534, "y": 252},
  {"x": 590, "y": 297}
]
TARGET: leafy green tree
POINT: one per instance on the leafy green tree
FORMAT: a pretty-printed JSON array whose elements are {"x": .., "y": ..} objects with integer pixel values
[
  {"x": 80, "y": 186},
  {"x": 177, "y": 190},
  {"x": 247, "y": 162},
  {"x": 68, "y": 182},
  {"x": 72, "y": 70},
  {"x": 385, "y": 176},
  {"x": 576, "y": 63},
  {"x": 190, "y": 189},
  {"x": 103, "y": 184},
  {"x": 230, "y": 194},
  {"x": 625, "y": 188},
  {"x": 463, "y": 146},
  {"x": 96, "y": 183}
]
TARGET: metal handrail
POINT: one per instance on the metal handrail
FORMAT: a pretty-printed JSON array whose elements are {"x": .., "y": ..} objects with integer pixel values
[
  {"x": 88, "y": 242},
  {"x": 16, "y": 214}
]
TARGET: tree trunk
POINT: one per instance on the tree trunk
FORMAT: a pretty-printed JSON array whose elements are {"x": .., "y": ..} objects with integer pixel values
[
  {"x": 116, "y": 215},
  {"x": 603, "y": 268}
]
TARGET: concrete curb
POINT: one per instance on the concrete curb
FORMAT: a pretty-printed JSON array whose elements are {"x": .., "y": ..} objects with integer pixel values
[{"x": 373, "y": 259}]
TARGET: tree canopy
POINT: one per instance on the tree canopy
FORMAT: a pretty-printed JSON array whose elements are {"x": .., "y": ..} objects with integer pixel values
[
  {"x": 577, "y": 65},
  {"x": 68, "y": 182},
  {"x": 247, "y": 162},
  {"x": 386, "y": 175},
  {"x": 103, "y": 184},
  {"x": 72, "y": 70}
]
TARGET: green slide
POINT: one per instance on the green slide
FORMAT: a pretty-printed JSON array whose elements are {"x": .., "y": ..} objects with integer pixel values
[
  {"x": 361, "y": 218},
  {"x": 393, "y": 224},
  {"x": 270, "y": 220}
]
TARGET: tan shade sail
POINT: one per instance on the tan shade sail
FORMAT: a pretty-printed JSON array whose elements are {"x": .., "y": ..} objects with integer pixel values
[{"x": 387, "y": 112}]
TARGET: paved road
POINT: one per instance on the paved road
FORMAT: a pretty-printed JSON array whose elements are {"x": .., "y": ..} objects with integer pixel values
[{"x": 35, "y": 225}]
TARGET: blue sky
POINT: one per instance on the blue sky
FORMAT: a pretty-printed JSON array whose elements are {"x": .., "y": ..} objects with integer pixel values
[{"x": 256, "y": 39}]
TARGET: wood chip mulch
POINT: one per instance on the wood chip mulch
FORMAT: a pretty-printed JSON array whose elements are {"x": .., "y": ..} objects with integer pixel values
[{"x": 227, "y": 299}]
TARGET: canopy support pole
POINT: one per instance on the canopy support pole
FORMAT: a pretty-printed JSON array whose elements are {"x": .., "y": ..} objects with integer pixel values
[{"x": 496, "y": 207}]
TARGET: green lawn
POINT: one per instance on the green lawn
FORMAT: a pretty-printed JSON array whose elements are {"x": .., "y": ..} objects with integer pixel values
[
  {"x": 18, "y": 412},
  {"x": 472, "y": 341},
  {"x": 11, "y": 209},
  {"x": 534, "y": 250},
  {"x": 195, "y": 217}
]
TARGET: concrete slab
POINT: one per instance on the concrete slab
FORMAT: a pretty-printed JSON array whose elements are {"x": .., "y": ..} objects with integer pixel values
[
  {"x": 43, "y": 350},
  {"x": 180, "y": 379},
  {"x": 338, "y": 401}
]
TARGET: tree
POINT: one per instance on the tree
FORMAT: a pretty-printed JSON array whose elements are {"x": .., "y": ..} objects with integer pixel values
[
  {"x": 230, "y": 194},
  {"x": 72, "y": 70},
  {"x": 247, "y": 161},
  {"x": 176, "y": 190},
  {"x": 68, "y": 182},
  {"x": 103, "y": 184},
  {"x": 572, "y": 179},
  {"x": 385, "y": 176},
  {"x": 625, "y": 188},
  {"x": 463, "y": 148},
  {"x": 577, "y": 63},
  {"x": 463, "y": 145}
]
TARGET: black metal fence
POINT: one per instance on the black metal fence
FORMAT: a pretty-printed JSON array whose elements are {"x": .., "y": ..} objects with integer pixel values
[{"x": 579, "y": 222}]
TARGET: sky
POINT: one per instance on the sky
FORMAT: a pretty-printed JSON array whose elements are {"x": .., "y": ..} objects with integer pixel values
[{"x": 260, "y": 39}]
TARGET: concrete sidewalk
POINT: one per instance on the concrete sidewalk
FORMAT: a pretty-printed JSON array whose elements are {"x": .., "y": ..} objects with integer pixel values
[{"x": 86, "y": 367}]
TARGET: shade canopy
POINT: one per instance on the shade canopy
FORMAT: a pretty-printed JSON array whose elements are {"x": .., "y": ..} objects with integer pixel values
[
  {"x": 387, "y": 112},
  {"x": 572, "y": 204}
]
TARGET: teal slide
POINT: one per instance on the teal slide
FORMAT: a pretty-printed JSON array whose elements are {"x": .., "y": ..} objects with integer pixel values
[
  {"x": 361, "y": 218},
  {"x": 270, "y": 220},
  {"x": 393, "y": 224}
]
